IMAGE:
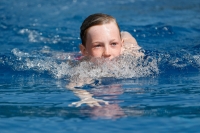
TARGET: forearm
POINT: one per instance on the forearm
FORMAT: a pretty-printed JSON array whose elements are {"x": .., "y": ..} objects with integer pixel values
[{"x": 85, "y": 97}]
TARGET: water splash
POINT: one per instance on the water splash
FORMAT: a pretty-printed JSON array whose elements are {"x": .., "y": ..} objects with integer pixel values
[
  {"x": 181, "y": 60},
  {"x": 62, "y": 65},
  {"x": 125, "y": 66},
  {"x": 65, "y": 65},
  {"x": 36, "y": 36},
  {"x": 42, "y": 61}
]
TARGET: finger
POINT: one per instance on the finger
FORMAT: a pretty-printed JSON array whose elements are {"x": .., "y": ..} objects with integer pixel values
[
  {"x": 79, "y": 104},
  {"x": 106, "y": 102},
  {"x": 97, "y": 104},
  {"x": 72, "y": 104},
  {"x": 94, "y": 104}
]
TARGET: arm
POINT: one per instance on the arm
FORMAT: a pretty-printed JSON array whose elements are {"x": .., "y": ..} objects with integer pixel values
[{"x": 85, "y": 96}]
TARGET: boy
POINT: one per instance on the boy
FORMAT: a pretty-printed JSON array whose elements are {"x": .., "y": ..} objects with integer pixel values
[{"x": 100, "y": 36}]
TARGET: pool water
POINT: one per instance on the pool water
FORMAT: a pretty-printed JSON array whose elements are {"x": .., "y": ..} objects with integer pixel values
[{"x": 158, "y": 93}]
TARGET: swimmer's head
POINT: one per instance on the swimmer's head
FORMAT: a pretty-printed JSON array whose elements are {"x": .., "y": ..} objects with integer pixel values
[
  {"x": 92, "y": 20},
  {"x": 100, "y": 36}
]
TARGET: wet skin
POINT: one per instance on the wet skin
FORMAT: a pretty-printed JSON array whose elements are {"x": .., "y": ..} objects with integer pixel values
[{"x": 103, "y": 41}]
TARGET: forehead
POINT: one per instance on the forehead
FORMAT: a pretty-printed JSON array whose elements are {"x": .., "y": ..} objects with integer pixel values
[{"x": 102, "y": 29}]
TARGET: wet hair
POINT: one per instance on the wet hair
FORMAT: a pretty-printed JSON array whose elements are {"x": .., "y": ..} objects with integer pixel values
[{"x": 92, "y": 20}]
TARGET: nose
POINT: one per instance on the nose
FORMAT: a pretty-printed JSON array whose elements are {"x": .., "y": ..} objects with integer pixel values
[{"x": 106, "y": 53}]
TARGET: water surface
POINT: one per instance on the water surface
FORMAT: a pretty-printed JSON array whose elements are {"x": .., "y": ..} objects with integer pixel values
[{"x": 158, "y": 93}]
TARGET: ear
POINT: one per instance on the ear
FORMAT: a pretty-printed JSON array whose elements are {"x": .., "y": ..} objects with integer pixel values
[
  {"x": 122, "y": 42},
  {"x": 83, "y": 50},
  {"x": 122, "y": 48}
]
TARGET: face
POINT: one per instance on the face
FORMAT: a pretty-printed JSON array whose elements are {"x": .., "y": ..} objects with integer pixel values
[{"x": 103, "y": 41}]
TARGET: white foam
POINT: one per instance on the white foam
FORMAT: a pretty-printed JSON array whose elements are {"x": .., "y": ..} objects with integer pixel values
[
  {"x": 197, "y": 60},
  {"x": 35, "y": 36},
  {"x": 125, "y": 66}
]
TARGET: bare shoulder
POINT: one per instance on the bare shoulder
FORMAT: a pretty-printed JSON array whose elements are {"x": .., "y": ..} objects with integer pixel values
[
  {"x": 130, "y": 45},
  {"x": 129, "y": 40}
]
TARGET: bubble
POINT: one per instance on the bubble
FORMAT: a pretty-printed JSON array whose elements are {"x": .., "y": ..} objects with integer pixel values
[
  {"x": 66, "y": 65},
  {"x": 197, "y": 60},
  {"x": 125, "y": 66},
  {"x": 69, "y": 66},
  {"x": 36, "y": 36}
]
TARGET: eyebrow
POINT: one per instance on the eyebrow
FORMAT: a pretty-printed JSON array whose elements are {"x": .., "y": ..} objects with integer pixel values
[
  {"x": 97, "y": 42},
  {"x": 102, "y": 42},
  {"x": 114, "y": 40}
]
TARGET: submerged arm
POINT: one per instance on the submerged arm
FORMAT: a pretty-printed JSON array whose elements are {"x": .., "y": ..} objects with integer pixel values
[{"x": 85, "y": 96}]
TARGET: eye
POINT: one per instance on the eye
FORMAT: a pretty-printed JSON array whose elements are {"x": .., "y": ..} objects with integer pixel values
[
  {"x": 97, "y": 45},
  {"x": 114, "y": 44}
]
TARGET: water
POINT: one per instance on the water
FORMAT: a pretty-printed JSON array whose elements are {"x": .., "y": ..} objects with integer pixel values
[{"x": 158, "y": 93}]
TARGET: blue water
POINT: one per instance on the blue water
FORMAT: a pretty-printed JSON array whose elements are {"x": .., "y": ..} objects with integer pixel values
[{"x": 159, "y": 93}]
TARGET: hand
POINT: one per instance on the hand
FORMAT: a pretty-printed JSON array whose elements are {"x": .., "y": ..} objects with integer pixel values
[
  {"x": 111, "y": 111},
  {"x": 90, "y": 102}
]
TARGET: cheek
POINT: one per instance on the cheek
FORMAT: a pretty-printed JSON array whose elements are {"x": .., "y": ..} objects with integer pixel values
[
  {"x": 95, "y": 53},
  {"x": 118, "y": 50}
]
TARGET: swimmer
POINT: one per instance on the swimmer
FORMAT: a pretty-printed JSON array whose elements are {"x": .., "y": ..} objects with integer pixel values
[{"x": 101, "y": 38}]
